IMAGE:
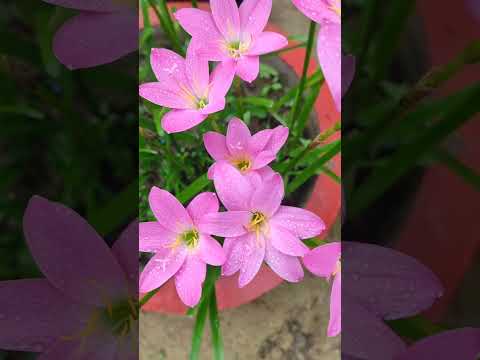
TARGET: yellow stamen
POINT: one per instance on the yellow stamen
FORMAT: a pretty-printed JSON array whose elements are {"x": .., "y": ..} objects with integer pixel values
[
  {"x": 259, "y": 225},
  {"x": 242, "y": 164}
]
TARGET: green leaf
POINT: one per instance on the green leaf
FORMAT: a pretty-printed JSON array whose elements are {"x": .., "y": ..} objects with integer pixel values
[
  {"x": 258, "y": 101},
  {"x": 415, "y": 328},
  {"x": 307, "y": 108},
  {"x": 198, "y": 330},
  {"x": 458, "y": 167},
  {"x": 194, "y": 188},
  {"x": 217, "y": 342}
]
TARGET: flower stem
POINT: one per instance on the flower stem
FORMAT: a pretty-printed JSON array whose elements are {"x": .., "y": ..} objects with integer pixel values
[
  {"x": 217, "y": 341},
  {"x": 303, "y": 79},
  {"x": 167, "y": 24}
]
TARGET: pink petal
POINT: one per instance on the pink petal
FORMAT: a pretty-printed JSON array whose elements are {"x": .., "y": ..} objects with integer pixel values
[
  {"x": 234, "y": 248},
  {"x": 380, "y": 277},
  {"x": 226, "y": 17},
  {"x": 126, "y": 249},
  {"x": 213, "y": 106},
  {"x": 335, "y": 322},
  {"x": 253, "y": 258},
  {"x": 267, "y": 42},
  {"x": 166, "y": 93},
  {"x": 211, "y": 49},
  {"x": 152, "y": 236},
  {"x": 263, "y": 159},
  {"x": 221, "y": 79},
  {"x": 211, "y": 251},
  {"x": 92, "y": 39},
  {"x": 34, "y": 314},
  {"x": 317, "y": 10},
  {"x": 202, "y": 204},
  {"x": 277, "y": 140},
  {"x": 169, "y": 212},
  {"x": 285, "y": 266},
  {"x": 453, "y": 344},
  {"x": 268, "y": 196},
  {"x": 62, "y": 244},
  {"x": 322, "y": 261},
  {"x": 189, "y": 279},
  {"x": 230, "y": 223},
  {"x": 254, "y": 15},
  {"x": 258, "y": 141},
  {"x": 238, "y": 136},
  {"x": 197, "y": 71},
  {"x": 348, "y": 72},
  {"x": 211, "y": 171},
  {"x": 161, "y": 267},
  {"x": 232, "y": 188},
  {"x": 181, "y": 120},
  {"x": 254, "y": 178},
  {"x": 216, "y": 145},
  {"x": 87, "y": 5},
  {"x": 168, "y": 65},
  {"x": 265, "y": 173},
  {"x": 248, "y": 68},
  {"x": 285, "y": 242},
  {"x": 329, "y": 56},
  {"x": 301, "y": 222},
  {"x": 198, "y": 23}
]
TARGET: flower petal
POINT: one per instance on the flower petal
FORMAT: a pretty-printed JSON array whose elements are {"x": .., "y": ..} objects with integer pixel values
[
  {"x": 198, "y": 23},
  {"x": 318, "y": 10},
  {"x": 213, "y": 106},
  {"x": 286, "y": 266},
  {"x": 229, "y": 223},
  {"x": 226, "y": 17},
  {"x": 263, "y": 159},
  {"x": 268, "y": 196},
  {"x": 254, "y": 255},
  {"x": 212, "y": 49},
  {"x": 301, "y": 222},
  {"x": 161, "y": 267},
  {"x": 259, "y": 140},
  {"x": 166, "y": 93},
  {"x": 277, "y": 140},
  {"x": 322, "y": 260},
  {"x": 180, "y": 120},
  {"x": 380, "y": 278},
  {"x": 453, "y": 344},
  {"x": 216, "y": 145},
  {"x": 152, "y": 236},
  {"x": 335, "y": 322},
  {"x": 62, "y": 244},
  {"x": 168, "y": 65},
  {"x": 265, "y": 173},
  {"x": 169, "y": 212},
  {"x": 211, "y": 251},
  {"x": 92, "y": 39},
  {"x": 189, "y": 279},
  {"x": 125, "y": 250},
  {"x": 248, "y": 68},
  {"x": 329, "y": 56},
  {"x": 267, "y": 42},
  {"x": 221, "y": 79},
  {"x": 285, "y": 242},
  {"x": 238, "y": 136},
  {"x": 232, "y": 188},
  {"x": 254, "y": 15},
  {"x": 235, "y": 254},
  {"x": 197, "y": 71},
  {"x": 34, "y": 314},
  {"x": 202, "y": 204}
]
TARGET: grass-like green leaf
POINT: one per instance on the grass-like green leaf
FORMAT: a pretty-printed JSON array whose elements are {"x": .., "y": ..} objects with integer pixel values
[{"x": 217, "y": 341}]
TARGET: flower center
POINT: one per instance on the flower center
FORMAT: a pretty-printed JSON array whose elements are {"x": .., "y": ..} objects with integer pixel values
[
  {"x": 237, "y": 49},
  {"x": 258, "y": 224},
  {"x": 202, "y": 103},
  {"x": 190, "y": 238},
  {"x": 242, "y": 164}
]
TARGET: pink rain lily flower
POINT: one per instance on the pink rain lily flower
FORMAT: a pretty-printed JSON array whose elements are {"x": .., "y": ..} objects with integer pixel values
[
  {"x": 185, "y": 86},
  {"x": 100, "y": 34},
  {"x": 256, "y": 227},
  {"x": 181, "y": 244},
  {"x": 324, "y": 261},
  {"x": 249, "y": 154},
  {"x": 328, "y": 14},
  {"x": 233, "y": 35},
  {"x": 85, "y": 307}
]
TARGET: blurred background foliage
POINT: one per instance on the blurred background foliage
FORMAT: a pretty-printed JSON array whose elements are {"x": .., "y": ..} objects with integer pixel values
[{"x": 68, "y": 136}]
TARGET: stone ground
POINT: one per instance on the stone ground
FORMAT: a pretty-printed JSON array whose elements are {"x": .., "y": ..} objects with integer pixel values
[{"x": 288, "y": 323}]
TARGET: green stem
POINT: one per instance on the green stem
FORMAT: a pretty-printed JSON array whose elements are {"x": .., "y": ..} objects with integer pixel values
[
  {"x": 303, "y": 79},
  {"x": 217, "y": 341},
  {"x": 198, "y": 329},
  {"x": 167, "y": 24}
]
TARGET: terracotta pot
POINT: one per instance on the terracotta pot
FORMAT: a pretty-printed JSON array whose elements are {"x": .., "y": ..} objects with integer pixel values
[
  {"x": 325, "y": 201},
  {"x": 441, "y": 230}
]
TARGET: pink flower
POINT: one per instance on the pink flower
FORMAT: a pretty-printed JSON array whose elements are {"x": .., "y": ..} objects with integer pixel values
[
  {"x": 85, "y": 307},
  {"x": 249, "y": 154},
  {"x": 257, "y": 227},
  {"x": 181, "y": 245},
  {"x": 100, "y": 34},
  {"x": 324, "y": 261},
  {"x": 232, "y": 34},
  {"x": 327, "y": 13},
  {"x": 186, "y": 86}
]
